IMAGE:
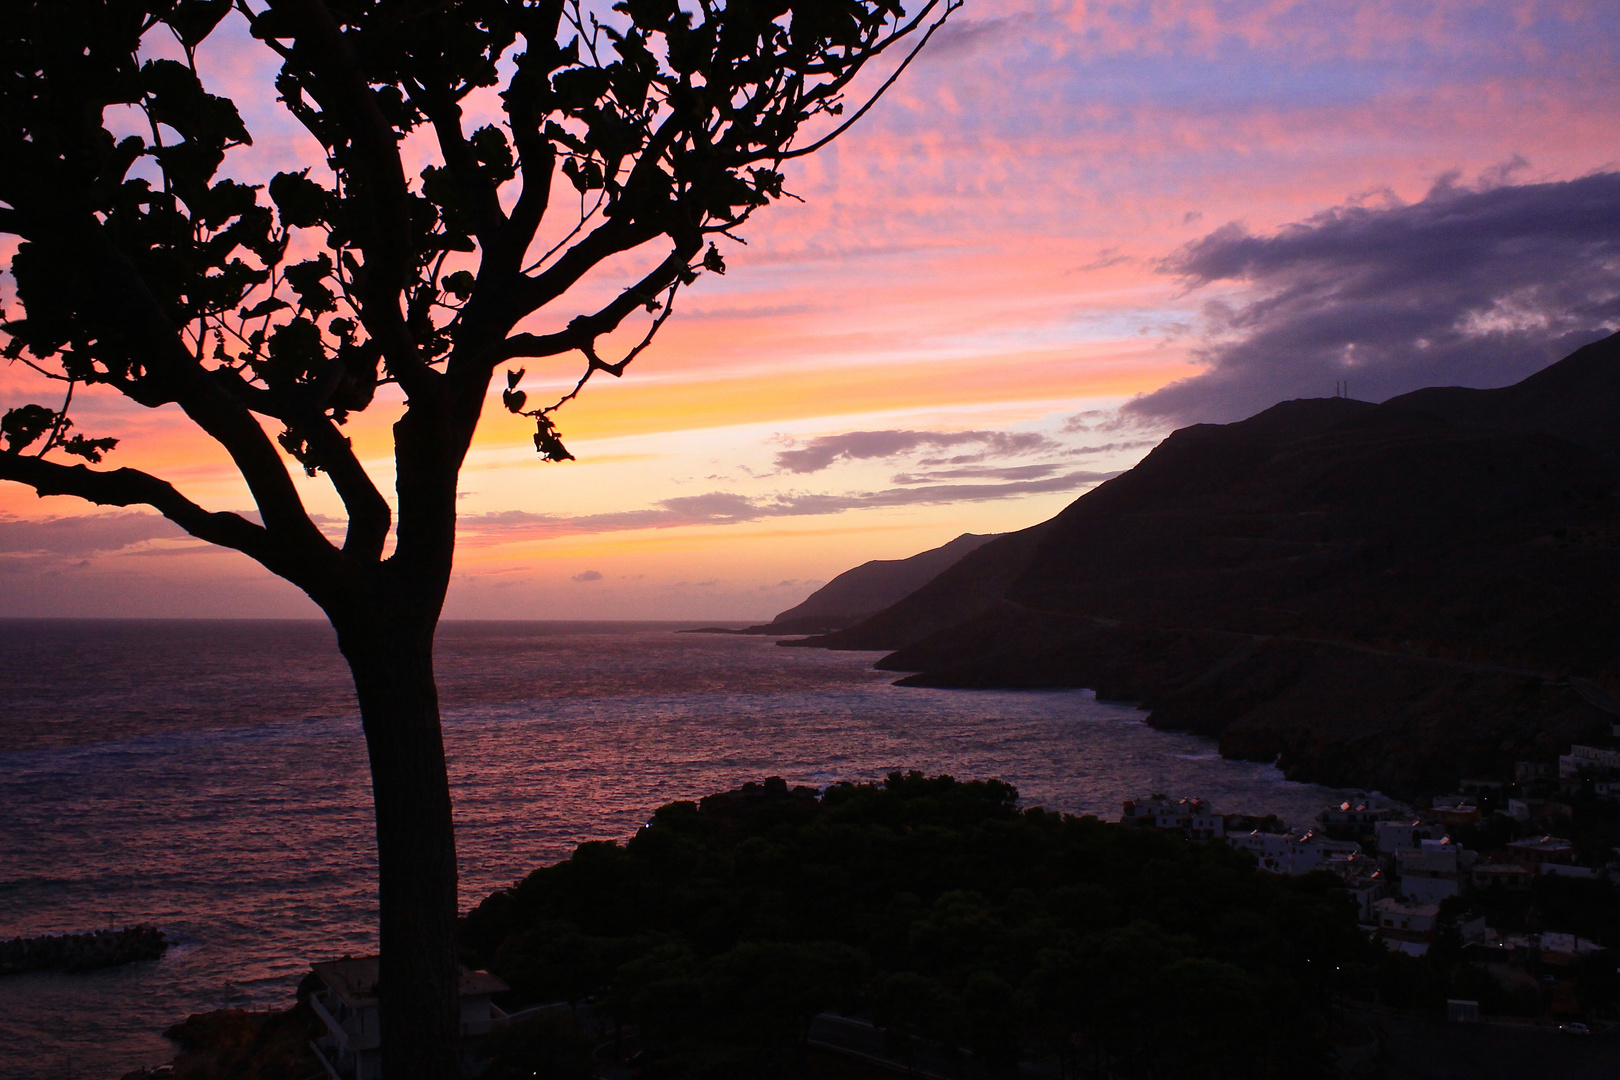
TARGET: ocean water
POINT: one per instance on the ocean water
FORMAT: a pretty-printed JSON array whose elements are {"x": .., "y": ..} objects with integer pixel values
[{"x": 210, "y": 778}]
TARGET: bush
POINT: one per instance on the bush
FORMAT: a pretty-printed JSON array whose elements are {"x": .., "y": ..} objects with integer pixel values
[{"x": 944, "y": 912}]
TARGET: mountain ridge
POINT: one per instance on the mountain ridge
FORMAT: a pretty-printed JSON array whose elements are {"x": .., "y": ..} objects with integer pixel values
[{"x": 1374, "y": 595}]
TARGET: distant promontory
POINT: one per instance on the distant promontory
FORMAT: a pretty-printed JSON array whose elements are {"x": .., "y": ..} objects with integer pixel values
[{"x": 863, "y": 591}]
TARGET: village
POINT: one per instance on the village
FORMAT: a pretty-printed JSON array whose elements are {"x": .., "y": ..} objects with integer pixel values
[
  {"x": 1464, "y": 880},
  {"x": 1511, "y": 876}
]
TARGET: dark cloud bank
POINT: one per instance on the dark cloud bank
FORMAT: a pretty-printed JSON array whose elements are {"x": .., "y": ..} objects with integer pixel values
[{"x": 1469, "y": 287}]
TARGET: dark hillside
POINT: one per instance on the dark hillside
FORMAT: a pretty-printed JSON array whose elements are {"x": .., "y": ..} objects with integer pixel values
[
  {"x": 1383, "y": 595},
  {"x": 1574, "y": 399}
]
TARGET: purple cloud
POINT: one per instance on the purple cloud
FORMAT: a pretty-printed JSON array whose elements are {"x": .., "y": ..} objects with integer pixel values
[
  {"x": 822, "y": 452},
  {"x": 728, "y": 508},
  {"x": 87, "y": 534},
  {"x": 978, "y": 472},
  {"x": 1470, "y": 286}
]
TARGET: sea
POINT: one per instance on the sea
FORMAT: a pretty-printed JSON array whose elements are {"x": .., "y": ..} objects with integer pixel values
[{"x": 210, "y": 778}]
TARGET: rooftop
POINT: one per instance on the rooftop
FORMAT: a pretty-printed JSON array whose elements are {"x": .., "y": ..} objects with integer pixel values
[
  {"x": 354, "y": 980},
  {"x": 1543, "y": 843}
]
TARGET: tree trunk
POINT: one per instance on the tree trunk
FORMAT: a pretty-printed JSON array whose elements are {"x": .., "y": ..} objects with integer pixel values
[{"x": 418, "y": 983}]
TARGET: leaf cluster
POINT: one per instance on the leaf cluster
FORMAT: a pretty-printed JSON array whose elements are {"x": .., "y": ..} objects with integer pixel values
[{"x": 942, "y": 911}]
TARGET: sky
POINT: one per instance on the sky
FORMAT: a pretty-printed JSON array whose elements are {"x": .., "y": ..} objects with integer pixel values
[{"x": 1070, "y": 228}]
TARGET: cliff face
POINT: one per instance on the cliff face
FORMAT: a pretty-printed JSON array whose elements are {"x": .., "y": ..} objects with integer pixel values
[{"x": 1379, "y": 595}]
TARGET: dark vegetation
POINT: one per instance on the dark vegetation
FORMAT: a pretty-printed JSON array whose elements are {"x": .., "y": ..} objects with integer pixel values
[
  {"x": 1387, "y": 596},
  {"x": 235, "y": 1044},
  {"x": 944, "y": 914}
]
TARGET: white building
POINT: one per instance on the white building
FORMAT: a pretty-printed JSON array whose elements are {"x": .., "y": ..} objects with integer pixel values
[
  {"x": 1506, "y": 875},
  {"x": 1521, "y": 809},
  {"x": 1433, "y": 871},
  {"x": 1566, "y": 945},
  {"x": 346, "y": 1002},
  {"x": 1540, "y": 850},
  {"x": 1566, "y": 870},
  {"x": 1291, "y": 852},
  {"x": 1192, "y": 817},
  {"x": 1360, "y": 816},
  {"x": 1584, "y": 761},
  {"x": 1363, "y": 879},
  {"x": 1406, "y": 927},
  {"x": 1393, "y": 836}
]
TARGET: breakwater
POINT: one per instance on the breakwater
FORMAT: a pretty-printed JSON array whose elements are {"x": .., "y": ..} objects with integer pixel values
[{"x": 81, "y": 952}]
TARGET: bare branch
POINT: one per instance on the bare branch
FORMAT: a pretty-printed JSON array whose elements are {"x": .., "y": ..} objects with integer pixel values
[
  {"x": 131, "y": 487},
  {"x": 595, "y": 363},
  {"x": 62, "y": 422},
  {"x": 369, "y": 514},
  {"x": 327, "y": 449},
  {"x": 950, "y": 6},
  {"x": 584, "y": 219},
  {"x": 610, "y": 238},
  {"x": 583, "y": 331}
]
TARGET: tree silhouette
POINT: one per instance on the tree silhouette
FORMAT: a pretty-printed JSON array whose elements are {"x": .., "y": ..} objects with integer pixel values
[{"x": 652, "y": 128}]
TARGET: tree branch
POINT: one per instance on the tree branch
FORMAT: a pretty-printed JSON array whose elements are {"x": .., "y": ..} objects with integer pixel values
[
  {"x": 131, "y": 487},
  {"x": 583, "y": 331},
  {"x": 338, "y": 83},
  {"x": 537, "y": 164},
  {"x": 610, "y": 238},
  {"x": 129, "y": 305},
  {"x": 329, "y": 449},
  {"x": 484, "y": 207},
  {"x": 369, "y": 514},
  {"x": 950, "y": 6},
  {"x": 595, "y": 363}
]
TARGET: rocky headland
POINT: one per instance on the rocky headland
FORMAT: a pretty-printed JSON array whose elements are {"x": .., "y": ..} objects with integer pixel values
[
  {"x": 865, "y": 590},
  {"x": 1388, "y": 596}
]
